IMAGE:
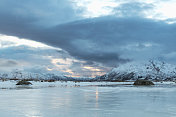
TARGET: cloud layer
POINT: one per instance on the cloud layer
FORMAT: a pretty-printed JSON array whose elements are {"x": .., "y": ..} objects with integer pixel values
[{"x": 108, "y": 41}]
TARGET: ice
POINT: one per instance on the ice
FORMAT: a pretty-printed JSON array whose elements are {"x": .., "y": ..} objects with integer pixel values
[{"x": 89, "y": 99}]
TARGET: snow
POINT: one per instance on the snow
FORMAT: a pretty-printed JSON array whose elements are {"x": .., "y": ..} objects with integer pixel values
[
  {"x": 10, "y": 84},
  {"x": 144, "y": 69},
  {"x": 90, "y": 99}
]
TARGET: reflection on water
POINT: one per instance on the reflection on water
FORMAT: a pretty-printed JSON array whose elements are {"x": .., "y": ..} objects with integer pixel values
[
  {"x": 96, "y": 97},
  {"x": 93, "y": 101}
]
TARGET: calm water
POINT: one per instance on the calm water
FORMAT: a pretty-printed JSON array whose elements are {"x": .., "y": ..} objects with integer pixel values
[{"x": 89, "y": 101}]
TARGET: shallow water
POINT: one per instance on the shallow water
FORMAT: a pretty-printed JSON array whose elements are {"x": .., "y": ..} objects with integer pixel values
[{"x": 97, "y": 100}]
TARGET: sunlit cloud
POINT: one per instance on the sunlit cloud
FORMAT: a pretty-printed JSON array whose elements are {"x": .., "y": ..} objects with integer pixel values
[
  {"x": 161, "y": 10},
  {"x": 66, "y": 65},
  {"x": 96, "y": 8},
  {"x": 166, "y": 10},
  {"x": 9, "y": 41}
]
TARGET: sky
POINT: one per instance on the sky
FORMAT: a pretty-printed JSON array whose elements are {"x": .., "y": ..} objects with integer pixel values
[{"x": 84, "y": 38}]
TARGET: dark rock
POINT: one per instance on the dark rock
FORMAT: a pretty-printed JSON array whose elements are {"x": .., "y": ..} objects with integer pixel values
[
  {"x": 24, "y": 82},
  {"x": 143, "y": 82},
  {"x": 14, "y": 79},
  {"x": 50, "y": 80},
  {"x": 140, "y": 76}
]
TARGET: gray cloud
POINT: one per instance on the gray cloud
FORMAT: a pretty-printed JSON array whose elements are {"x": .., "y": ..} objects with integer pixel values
[
  {"x": 26, "y": 58},
  {"x": 101, "y": 39},
  {"x": 105, "y": 40},
  {"x": 37, "y": 11},
  {"x": 8, "y": 63},
  {"x": 80, "y": 69},
  {"x": 133, "y": 9}
]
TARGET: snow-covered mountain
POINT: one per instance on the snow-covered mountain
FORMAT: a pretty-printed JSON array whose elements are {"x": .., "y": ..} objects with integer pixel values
[
  {"x": 152, "y": 70},
  {"x": 17, "y": 74},
  {"x": 27, "y": 75}
]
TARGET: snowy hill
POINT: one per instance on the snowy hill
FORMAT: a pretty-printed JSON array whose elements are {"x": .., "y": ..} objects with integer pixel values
[
  {"x": 17, "y": 75},
  {"x": 152, "y": 70},
  {"x": 27, "y": 75}
]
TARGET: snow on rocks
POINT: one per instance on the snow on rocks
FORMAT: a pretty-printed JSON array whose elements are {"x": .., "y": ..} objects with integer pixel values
[{"x": 153, "y": 70}]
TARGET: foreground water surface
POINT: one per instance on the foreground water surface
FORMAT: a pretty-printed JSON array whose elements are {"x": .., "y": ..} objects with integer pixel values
[{"x": 87, "y": 100}]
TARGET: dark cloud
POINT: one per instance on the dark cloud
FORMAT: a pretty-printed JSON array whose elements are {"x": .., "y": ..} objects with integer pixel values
[
  {"x": 26, "y": 18},
  {"x": 38, "y": 11},
  {"x": 103, "y": 39},
  {"x": 106, "y": 40}
]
